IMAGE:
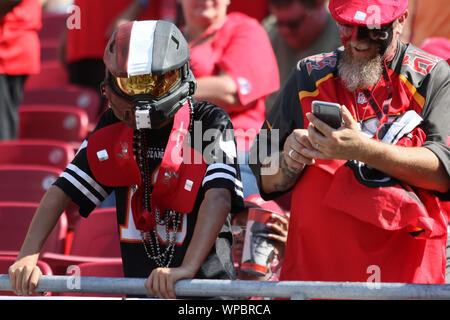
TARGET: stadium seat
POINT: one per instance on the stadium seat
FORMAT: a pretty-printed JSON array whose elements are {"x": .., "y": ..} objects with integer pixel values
[
  {"x": 53, "y": 25},
  {"x": 36, "y": 152},
  {"x": 70, "y": 95},
  {"x": 112, "y": 268},
  {"x": 61, "y": 123},
  {"x": 15, "y": 220},
  {"x": 26, "y": 183},
  {"x": 49, "y": 53},
  {"x": 95, "y": 239},
  {"x": 6, "y": 261},
  {"x": 52, "y": 74}
]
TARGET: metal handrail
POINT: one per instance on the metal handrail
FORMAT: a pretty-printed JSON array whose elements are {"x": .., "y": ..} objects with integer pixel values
[{"x": 244, "y": 288}]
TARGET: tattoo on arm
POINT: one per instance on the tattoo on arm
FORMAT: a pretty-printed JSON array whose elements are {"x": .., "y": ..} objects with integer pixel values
[{"x": 289, "y": 175}]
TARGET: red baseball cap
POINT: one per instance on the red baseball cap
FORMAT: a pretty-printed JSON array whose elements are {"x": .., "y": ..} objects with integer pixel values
[{"x": 367, "y": 12}]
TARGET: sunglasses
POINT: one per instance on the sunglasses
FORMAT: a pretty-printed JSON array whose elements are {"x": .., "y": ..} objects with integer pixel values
[{"x": 375, "y": 34}]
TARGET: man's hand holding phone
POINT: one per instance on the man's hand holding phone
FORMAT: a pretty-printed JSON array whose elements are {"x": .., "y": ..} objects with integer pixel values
[{"x": 333, "y": 132}]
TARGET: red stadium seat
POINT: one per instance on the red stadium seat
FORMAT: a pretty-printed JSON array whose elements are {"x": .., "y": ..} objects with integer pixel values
[
  {"x": 62, "y": 123},
  {"x": 49, "y": 53},
  {"x": 70, "y": 95},
  {"x": 36, "y": 152},
  {"x": 95, "y": 239},
  {"x": 97, "y": 235},
  {"x": 52, "y": 74},
  {"x": 53, "y": 25},
  {"x": 6, "y": 261},
  {"x": 26, "y": 183},
  {"x": 15, "y": 220},
  {"x": 112, "y": 268}
]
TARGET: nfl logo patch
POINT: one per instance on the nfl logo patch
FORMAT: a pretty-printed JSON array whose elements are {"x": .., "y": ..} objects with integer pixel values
[{"x": 362, "y": 98}]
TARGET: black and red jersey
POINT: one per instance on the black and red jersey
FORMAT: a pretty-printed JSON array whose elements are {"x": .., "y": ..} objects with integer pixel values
[
  {"x": 212, "y": 126},
  {"x": 348, "y": 221}
]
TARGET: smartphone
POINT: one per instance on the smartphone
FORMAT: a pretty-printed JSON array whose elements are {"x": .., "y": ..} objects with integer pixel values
[{"x": 328, "y": 112}]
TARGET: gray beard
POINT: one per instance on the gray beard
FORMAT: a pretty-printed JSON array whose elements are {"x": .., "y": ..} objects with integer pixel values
[{"x": 358, "y": 74}]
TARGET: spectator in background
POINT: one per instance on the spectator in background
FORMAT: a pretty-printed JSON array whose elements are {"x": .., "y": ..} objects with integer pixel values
[
  {"x": 427, "y": 19},
  {"x": 235, "y": 68},
  {"x": 298, "y": 29},
  {"x": 258, "y": 9},
  {"x": 20, "y": 21},
  {"x": 276, "y": 228},
  {"x": 84, "y": 46}
]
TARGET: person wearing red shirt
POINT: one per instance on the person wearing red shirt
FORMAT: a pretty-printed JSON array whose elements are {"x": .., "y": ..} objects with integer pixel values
[
  {"x": 235, "y": 67},
  {"x": 255, "y": 9},
  {"x": 19, "y": 57},
  {"x": 370, "y": 199}
]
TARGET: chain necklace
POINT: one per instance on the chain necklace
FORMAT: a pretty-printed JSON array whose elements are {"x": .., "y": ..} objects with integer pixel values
[
  {"x": 160, "y": 254},
  {"x": 162, "y": 257}
]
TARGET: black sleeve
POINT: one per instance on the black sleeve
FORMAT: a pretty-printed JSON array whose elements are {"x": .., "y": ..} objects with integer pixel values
[
  {"x": 285, "y": 116},
  {"x": 219, "y": 151}
]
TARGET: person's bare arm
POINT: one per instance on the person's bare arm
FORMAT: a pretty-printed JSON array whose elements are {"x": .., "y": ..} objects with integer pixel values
[
  {"x": 24, "y": 273},
  {"x": 417, "y": 166},
  {"x": 220, "y": 90},
  {"x": 290, "y": 164},
  {"x": 211, "y": 216}
]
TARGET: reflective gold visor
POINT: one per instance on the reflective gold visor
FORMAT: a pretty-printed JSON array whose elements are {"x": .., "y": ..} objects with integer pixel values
[{"x": 155, "y": 86}]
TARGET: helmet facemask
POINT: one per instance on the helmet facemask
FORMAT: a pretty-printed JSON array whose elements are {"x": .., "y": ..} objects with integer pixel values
[
  {"x": 155, "y": 98},
  {"x": 161, "y": 85}
]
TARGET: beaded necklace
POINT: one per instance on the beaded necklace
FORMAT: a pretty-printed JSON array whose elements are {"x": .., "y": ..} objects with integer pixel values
[{"x": 170, "y": 219}]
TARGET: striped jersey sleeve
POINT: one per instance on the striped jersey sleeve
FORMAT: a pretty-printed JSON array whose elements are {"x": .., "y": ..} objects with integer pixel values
[
  {"x": 78, "y": 182},
  {"x": 219, "y": 151}
]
